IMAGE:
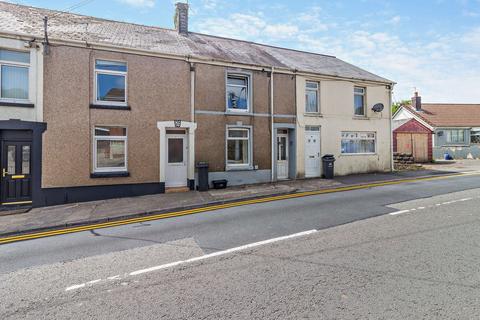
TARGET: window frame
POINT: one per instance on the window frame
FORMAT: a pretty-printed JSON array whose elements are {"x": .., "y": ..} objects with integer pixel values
[
  {"x": 9, "y": 63},
  {"x": 246, "y": 75},
  {"x": 359, "y": 139},
  {"x": 96, "y": 72},
  {"x": 472, "y": 131},
  {"x": 364, "y": 96},
  {"x": 246, "y": 166},
  {"x": 317, "y": 90},
  {"x": 109, "y": 138},
  {"x": 448, "y": 142}
]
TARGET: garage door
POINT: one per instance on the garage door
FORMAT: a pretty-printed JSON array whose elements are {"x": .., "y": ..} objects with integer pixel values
[{"x": 415, "y": 144}]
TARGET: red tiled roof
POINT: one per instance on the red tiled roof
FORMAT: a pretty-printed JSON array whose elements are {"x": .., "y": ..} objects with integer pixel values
[{"x": 449, "y": 115}]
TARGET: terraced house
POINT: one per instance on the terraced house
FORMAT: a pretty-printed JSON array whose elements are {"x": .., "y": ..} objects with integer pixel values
[{"x": 94, "y": 109}]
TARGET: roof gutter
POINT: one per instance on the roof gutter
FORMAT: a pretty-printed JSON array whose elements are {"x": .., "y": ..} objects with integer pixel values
[{"x": 202, "y": 60}]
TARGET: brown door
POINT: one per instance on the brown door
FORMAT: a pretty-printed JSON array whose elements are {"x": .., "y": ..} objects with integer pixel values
[
  {"x": 420, "y": 147},
  {"x": 16, "y": 181}
]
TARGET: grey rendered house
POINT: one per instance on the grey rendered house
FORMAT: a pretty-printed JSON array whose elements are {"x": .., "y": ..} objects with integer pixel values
[
  {"x": 103, "y": 109},
  {"x": 455, "y": 128}
]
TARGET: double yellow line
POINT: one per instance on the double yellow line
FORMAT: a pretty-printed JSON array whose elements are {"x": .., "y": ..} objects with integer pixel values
[{"x": 213, "y": 208}]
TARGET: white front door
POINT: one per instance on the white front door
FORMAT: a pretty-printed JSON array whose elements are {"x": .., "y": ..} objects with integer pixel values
[
  {"x": 177, "y": 160},
  {"x": 312, "y": 154},
  {"x": 282, "y": 156}
]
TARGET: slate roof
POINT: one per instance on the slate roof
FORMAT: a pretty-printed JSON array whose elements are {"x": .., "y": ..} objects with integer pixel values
[
  {"x": 66, "y": 26},
  {"x": 449, "y": 115}
]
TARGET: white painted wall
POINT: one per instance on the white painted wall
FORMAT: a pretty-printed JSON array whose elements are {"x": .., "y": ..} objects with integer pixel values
[
  {"x": 337, "y": 115},
  {"x": 35, "y": 85}
]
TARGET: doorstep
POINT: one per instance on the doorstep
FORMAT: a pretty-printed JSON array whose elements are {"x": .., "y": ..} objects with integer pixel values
[{"x": 177, "y": 189}]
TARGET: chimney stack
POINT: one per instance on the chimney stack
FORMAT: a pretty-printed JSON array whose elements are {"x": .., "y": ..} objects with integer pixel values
[
  {"x": 181, "y": 17},
  {"x": 417, "y": 102}
]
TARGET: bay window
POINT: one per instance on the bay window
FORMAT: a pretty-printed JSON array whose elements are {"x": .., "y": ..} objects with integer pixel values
[
  {"x": 110, "y": 149},
  {"x": 358, "y": 142},
  {"x": 14, "y": 75},
  {"x": 110, "y": 82}
]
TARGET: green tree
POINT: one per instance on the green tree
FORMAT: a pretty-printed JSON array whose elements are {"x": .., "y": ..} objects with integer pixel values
[{"x": 398, "y": 104}]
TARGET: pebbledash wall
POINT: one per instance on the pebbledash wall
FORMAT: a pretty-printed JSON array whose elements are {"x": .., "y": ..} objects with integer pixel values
[
  {"x": 67, "y": 152},
  {"x": 213, "y": 118},
  {"x": 467, "y": 150},
  {"x": 336, "y": 116}
]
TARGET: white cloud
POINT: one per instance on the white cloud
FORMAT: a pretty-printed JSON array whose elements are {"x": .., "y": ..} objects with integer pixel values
[{"x": 139, "y": 3}]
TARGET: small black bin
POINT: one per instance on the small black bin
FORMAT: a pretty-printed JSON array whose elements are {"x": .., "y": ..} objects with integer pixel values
[
  {"x": 328, "y": 166},
  {"x": 202, "y": 170},
  {"x": 219, "y": 184}
]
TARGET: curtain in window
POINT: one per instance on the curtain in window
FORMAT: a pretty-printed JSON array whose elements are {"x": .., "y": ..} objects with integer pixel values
[{"x": 14, "y": 82}]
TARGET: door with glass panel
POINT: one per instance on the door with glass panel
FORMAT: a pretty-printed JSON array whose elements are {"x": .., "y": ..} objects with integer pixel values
[
  {"x": 16, "y": 178},
  {"x": 177, "y": 169},
  {"x": 282, "y": 155}
]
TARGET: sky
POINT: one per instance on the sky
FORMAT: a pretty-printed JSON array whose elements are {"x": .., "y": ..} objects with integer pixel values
[{"x": 432, "y": 46}]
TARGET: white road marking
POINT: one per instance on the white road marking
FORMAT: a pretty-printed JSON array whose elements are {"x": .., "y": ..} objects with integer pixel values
[
  {"x": 221, "y": 253},
  {"x": 432, "y": 205},
  {"x": 204, "y": 257},
  {"x": 399, "y": 212}
]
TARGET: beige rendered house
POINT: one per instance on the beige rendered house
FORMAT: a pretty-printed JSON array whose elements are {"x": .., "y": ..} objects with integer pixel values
[{"x": 95, "y": 109}]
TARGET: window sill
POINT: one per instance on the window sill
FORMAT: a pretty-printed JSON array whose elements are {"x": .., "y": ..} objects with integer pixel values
[
  {"x": 99, "y": 175},
  {"x": 313, "y": 115},
  {"x": 238, "y": 112},
  {"x": 110, "y": 107},
  {"x": 358, "y": 154},
  {"x": 361, "y": 118},
  {"x": 16, "y": 104},
  {"x": 239, "y": 168}
]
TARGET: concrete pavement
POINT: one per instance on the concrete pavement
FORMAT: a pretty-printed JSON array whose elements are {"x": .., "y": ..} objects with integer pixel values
[{"x": 410, "y": 265}]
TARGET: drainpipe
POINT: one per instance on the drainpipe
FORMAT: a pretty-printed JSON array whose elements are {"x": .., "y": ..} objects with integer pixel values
[
  {"x": 272, "y": 128},
  {"x": 192, "y": 92},
  {"x": 392, "y": 164}
]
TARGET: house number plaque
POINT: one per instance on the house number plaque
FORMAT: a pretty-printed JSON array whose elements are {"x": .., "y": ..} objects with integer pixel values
[{"x": 178, "y": 123}]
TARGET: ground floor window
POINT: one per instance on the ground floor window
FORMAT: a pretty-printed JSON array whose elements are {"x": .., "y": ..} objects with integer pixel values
[
  {"x": 238, "y": 147},
  {"x": 455, "y": 136},
  {"x": 475, "y": 136},
  {"x": 110, "y": 149},
  {"x": 358, "y": 142}
]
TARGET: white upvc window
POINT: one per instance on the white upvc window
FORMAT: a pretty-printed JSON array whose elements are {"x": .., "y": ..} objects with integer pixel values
[
  {"x": 238, "y": 92},
  {"x": 239, "y": 148},
  {"x": 110, "y": 149},
  {"x": 312, "y": 97},
  {"x": 110, "y": 82},
  {"x": 14, "y": 76},
  {"x": 359, "y": 142},
  {"x": 359, "y": 101}
]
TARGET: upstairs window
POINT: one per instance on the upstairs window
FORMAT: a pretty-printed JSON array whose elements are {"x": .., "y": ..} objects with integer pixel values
[
  {"x": 14, "y": 75},
  {"x": 359, "y": 101},
  {"x": 111, "y": 82},
  {"x": 238, "y": 92},
  {"x": 312, "y": 97},
  {"x": 110, "y": 149}
]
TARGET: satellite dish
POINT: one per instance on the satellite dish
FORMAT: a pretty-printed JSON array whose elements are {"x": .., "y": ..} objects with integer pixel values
[{"x": 378, "y": 107}]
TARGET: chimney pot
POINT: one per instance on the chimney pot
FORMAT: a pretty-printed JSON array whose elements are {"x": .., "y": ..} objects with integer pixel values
[{"x": 181, "y": 17}]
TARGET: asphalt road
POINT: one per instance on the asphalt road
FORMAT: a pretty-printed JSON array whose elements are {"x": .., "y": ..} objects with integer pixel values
[{"x": 421, "y": 263}]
